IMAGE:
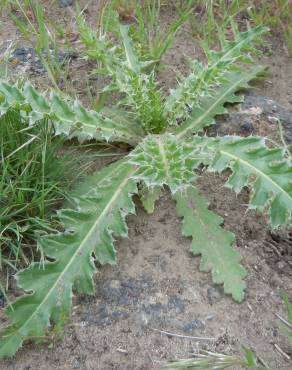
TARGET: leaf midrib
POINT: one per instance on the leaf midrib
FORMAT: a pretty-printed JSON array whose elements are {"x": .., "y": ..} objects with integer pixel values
[
  {"x": 164, "y": 159},
  {"x": 237, "y": 46}
]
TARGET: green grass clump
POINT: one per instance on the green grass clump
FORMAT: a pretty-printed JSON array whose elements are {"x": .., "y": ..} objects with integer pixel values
[
  {"x": 34, "y": 177},
  {"x": 211, "y": 16},
  {"x": 277, "y": 14}
]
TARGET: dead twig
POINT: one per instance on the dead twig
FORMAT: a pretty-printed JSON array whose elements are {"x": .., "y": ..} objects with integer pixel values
[
  {"x": 284, "y": 354},
  {"x": 284, "y": 321},
  {"x": 123, "y": 351},
  {"x": 261, "y": 361},
  {"x": 181, "y": 336}
]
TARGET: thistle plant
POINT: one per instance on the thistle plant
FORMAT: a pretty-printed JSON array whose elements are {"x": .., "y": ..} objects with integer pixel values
[{"x": 167, "y": 144}]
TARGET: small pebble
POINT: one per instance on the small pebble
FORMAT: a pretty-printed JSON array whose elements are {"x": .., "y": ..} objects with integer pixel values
[
  {"x": 246, "y": 127},
  {"x": 214, "y": 294},
  {"x": 65, "y": 3},
  {"x": 281, "y": 265},
  {"x": 193, "y": 325}
]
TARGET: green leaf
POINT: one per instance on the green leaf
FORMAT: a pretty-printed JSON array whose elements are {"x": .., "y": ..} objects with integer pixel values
[
  {"x": 242, "y": 47},
  {"x": 149, "y": 196},
  {"x": 71, "y": 119},
  {"x": 142, "y": 97},
  {"x": 286, "y": 326},
  {"x": 204, "y": 79},
  {"x": 132, "y": 59},
  {"x": 250, "y": 358},
  {"x": 266, "y": 170},
  {"x": 288, "y": 306},
  {"x": 212, "y": 242},
  {"x": 96, "y": 45},
  {"x": 213, "y": 105},
  {"x": 161, "y": 160},
  {"x": 98, "y": 211}
]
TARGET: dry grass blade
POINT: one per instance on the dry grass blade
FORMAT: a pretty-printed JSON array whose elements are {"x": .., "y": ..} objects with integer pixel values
[{"x": 215, "y": 361}]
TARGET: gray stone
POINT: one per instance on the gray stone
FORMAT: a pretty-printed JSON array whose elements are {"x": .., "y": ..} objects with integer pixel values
[
  {"x": 176, "y": 303},
  {"x": 215, "y": 294},
  {"x": 253, "y": 107},
  {"x": 29, "y": 57},
  {"x": 196, "y": 324},
  {"x": 271, "y": 108},
  {"x": 246, "y": 127},
  {"x": 65, "y": 3}
]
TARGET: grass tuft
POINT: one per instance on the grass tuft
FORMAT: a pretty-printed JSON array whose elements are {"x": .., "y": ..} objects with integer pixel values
[{"x": 35, "y": 173}]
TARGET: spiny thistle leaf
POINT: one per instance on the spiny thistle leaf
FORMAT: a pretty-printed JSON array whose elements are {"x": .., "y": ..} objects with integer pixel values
[
  {"x": 143, "y": 97},
  {"x": 241, "y": 48},
  {"x": 149, "y": 196},
  {"x": 213, "y": 105},
  {"x": 132, "y": 59},
  {"x": 212, "y": 242},
  {"x": 140, "y": 90},
  {"x": 201, "y": 83},
  {"x": 266, "y": 170},
  {"x": 161, "y": 160},
  {"x": 97, "y": 46},
  {"x": 99, "y": 209},
  {"x": 71, "y": 119}
]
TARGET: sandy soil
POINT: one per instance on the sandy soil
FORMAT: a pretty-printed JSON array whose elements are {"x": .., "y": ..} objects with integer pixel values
[{"x": 157, "y": 286}]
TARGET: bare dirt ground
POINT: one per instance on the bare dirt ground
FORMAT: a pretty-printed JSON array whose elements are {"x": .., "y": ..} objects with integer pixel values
[{"x": 157, "y": 286}]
